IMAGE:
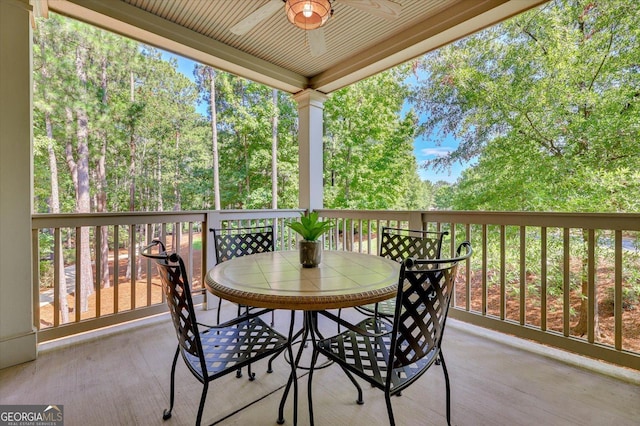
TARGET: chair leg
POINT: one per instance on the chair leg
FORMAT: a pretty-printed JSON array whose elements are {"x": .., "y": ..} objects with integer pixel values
[
  {"x": 448, "y": 387},
  {"x": 239, "y": 370},
  {"x": 387, "y": 398},
  {"x": 166, "y": 415},
  {"x": 202, "y": 399},
  {"x": 359, "y": 401},
  {"x": 270, "y": 364},
  {"x": 252, "y": 376}
]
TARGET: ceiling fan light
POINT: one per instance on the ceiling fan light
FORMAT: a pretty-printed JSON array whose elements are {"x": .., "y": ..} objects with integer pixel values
[{"x": 308, "y": 14}]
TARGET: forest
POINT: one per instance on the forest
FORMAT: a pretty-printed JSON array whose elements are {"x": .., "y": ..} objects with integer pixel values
[
  {"x": 544, "y": 107},
  {"x": 117, "y": 129}
]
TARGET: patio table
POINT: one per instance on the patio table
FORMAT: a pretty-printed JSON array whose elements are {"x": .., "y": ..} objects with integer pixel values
[{"x": 276, "y": 280}]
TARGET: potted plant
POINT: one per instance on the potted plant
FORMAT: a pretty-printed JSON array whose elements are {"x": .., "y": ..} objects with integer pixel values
[{"x": 310, "y": 229}]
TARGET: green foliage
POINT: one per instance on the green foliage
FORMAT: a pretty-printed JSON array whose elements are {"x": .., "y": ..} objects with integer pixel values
[
  {"x": 144, "y": 129},
  {"x": 548, "y": 103},
  {"x": 368, "y": 146},
  {"x": 310, "y": 227}
]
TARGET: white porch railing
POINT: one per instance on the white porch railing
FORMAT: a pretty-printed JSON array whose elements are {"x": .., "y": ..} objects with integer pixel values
[
  {"x": 567, "y": 280},
  {"x": 67, "y": 299}
]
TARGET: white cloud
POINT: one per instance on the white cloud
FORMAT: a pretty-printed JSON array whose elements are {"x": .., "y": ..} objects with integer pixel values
[{"x": 436, "y": 152}]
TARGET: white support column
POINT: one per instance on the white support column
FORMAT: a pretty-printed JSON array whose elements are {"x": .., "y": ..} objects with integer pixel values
[
  {"x": 18, "y": 341},
  {"x": 310, "y": 153}
]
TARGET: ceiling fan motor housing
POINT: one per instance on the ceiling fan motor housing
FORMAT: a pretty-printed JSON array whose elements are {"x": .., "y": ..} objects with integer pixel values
[{"x": 308, "y": 14}]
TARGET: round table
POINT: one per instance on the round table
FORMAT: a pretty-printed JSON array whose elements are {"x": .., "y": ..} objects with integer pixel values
[{"x": 276, "y": 280}]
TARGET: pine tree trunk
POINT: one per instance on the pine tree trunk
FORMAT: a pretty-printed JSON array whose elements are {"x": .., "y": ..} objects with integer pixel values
[
  {"x": 84, "y": 196},
  {"x": 582, "y": 327},
  {"x": 101, "y": 204},
  {"x": 176, "y": 186},
  {"x": 86, "y": 270},
  {"x": 132, "y": 176},
  {"x": 54, "y": 202},
  {"x": 55, "y": 208}
]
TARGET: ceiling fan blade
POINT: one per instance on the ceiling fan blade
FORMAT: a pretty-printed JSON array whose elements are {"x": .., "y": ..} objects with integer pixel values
[
  {"x": 317, "y": 42},
  {"x": 259, "y": 15},
  {"x": 383, "y": 8}
]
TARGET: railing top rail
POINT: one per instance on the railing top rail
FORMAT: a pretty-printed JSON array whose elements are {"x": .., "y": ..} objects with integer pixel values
[
  {"x": 612, "y": 221},
  {"x": 71, "y": 220},
  {"x": 258, "y": 214},
  {"x": 403, "y": 215}
]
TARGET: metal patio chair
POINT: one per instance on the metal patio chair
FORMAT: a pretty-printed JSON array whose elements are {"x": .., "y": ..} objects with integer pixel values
[
  {"x": 236, "y": 242},
  {"x": 209, "y": 352},
  {"x": 394, "y": 358},
  {"x": 399, "y": 244}
]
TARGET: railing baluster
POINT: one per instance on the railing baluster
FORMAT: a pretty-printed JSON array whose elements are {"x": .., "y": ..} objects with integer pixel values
[
  {"x": 503, "y": 273},
  {"x": 543, "y": 278},
  {"x": 98, "y": 262},
  {"x": 523, "y": 274},
  {"x": 57, "y": 274},
  {"x": 190, "y": 251},
  {"x": 148, "y": 266},
  {"x": 116, "y": 269},
  {"x": 484, "y": 270},
  {"x": 78, "y": 295},
  {"x": 566, "y": 304},
  {"x": 132, "y": 264},
  {"x": 591, "y": 286},
  {"x": 617, "y": 291}
]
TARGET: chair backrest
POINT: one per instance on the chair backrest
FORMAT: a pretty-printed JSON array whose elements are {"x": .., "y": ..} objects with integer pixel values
[
  {"x": 399, "y": 244},
  {"x": 177, "y": 290},
  {"x": 425, "y": 287},
  {"x": 236, "y": 242}
]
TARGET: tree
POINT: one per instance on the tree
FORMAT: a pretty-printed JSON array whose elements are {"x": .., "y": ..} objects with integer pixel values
[
  {"x": 558, "y": 86},
  {"x": 369, "y": 161},
  {"x": 549, "y": 103},
  {"x": 206, "y": 80},
  {"x": 42, "y": 57}
]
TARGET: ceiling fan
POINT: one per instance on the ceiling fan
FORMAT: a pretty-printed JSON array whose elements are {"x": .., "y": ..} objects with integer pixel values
[{"x": 302, "y": 14}]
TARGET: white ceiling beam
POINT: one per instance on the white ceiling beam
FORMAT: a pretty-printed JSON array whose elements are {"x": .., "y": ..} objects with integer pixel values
[{"x": 461, "y": 20}]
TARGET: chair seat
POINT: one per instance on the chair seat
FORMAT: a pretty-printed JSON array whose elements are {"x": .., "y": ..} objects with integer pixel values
[
  {"x": 368, "y": 356},
  {"x": 228, "y": 348}
]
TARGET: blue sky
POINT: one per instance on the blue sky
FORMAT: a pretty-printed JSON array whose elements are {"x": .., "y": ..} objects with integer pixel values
[{"x": 423, "y": 148}]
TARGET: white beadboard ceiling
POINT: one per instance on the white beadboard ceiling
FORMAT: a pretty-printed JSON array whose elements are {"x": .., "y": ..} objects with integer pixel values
[{"x": 277, "y": 53}]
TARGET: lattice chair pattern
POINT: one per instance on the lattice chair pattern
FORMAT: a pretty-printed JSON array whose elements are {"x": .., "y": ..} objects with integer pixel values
[
  {"x": 392, "y": 357},
  {"x": 209, "y": 352},
  {"x": 236, "y": 242},
  {"x": 400, "y": 244}
]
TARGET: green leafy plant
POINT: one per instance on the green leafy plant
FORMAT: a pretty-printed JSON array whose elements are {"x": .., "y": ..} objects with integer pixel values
[{"x": 309, "y": 227}]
